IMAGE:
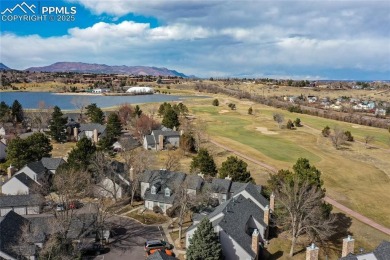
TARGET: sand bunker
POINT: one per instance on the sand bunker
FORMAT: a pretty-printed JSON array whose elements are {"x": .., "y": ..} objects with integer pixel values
[
  {"x": 265, "y": 131},
  {"x": 223, "y": 111}
]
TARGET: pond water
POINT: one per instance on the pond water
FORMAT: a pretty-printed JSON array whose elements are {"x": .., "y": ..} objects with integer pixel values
[{"x": 30, "y": 100}]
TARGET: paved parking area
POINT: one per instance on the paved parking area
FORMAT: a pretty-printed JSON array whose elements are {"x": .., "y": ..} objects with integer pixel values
[{"x": 129, "y": 238}]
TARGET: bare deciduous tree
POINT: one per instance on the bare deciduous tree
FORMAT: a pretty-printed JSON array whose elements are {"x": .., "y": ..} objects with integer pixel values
[
  {"x": 41, "y": 117},
  {"x": 368, "y": 139},
  {"x": 278, "y": 118},
  {"x": 200, "y": 132},
  {"x": 80, "y": 103},
  {"x": 137, "y": 160},
  {"x": 303, "y": 211},
  {"x": 338, "y": 137},
  {"x": 172, "y": 161}
]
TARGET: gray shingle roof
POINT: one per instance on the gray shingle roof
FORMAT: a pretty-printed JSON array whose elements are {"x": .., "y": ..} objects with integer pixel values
[
  {"x": 160, "y": 256},
  {"x": 253, "y": 190},
  {"x": 36, "y": 167},
  {"x": 52, "y": 163},
  {"x": 92, "y": 126},
  {"x": 26, "y": 180},
  {"x": 128, "y": 143},
  {"x": 150, "y": 139},
  {"x": 220, "y": 185},
  {"x": 194, "y": 182},
  {"x": 156, "y": 133},
  {"x": 382, "y": 252},
  {"x": 20, "y": 200},
  {"x": 236, "y": 214},
  {"x": 11, "y": 228},
  {"x": 163, "y": 179}
]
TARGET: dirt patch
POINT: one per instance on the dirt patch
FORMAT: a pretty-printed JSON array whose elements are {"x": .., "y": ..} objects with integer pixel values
[
  {"x": 224, "y": 111},
  {"x": 265, "y": 131}
]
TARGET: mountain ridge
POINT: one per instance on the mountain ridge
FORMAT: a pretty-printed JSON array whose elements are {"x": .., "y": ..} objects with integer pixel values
[
  {"x": 4, "y": 67},
  {"x": 82, "y": 67}
]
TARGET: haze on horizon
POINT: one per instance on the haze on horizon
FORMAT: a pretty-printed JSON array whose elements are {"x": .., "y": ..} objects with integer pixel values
[{"x": 310, "y": 39}]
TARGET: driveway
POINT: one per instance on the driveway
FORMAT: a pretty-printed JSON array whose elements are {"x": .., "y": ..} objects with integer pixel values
[{"x": 129, "y": 238}]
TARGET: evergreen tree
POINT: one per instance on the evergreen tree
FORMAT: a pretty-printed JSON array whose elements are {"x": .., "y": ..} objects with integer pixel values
[
  {"x": 290, "y": 124},
  {"x": 17, "y": 112},
  {"x": 113, "y": 131},
  {"x": 5, "y": 111},
  {"x": 137, "y": 111},
  {"x": 170, "y": 119},
  {"x": 80, "y": 156},
  {"x": 204, "y": 245},
  {"x": 215, "y": 102},
  {"x": 187, "y": 142},
  {"x": 163, "y": 108},
  {"x": 95, "y": 114},
  {"x": 297, "y": 122},
  {"x": 326, "y": 131},
  {"x": 236, "y": 169},
  {"x": 204, "y": 163},
  {"x": 58, "y": 125},
  {"x": 33, "y": 148},
  {"x": 250, "y": 111}
]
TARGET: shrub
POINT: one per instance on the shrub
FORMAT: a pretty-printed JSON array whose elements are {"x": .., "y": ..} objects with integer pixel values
[
  {"x": 157, "y": 209},
  {"x": 250, "y": 111},
  {"x": 215, "y": 102},
  {"x": 326, "y": 131},
  {"x": 348, "y": 136},
  {"x": 290, "y": 124},
  {"x": 232, "y": 106},
  {"x": 297, "y": 122}
]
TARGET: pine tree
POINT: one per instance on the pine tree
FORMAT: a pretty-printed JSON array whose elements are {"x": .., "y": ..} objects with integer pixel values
[
  {"x": 80, "y": 156},
  {"x": 204, "y": 245},
  {"x": 170, "y": 119},
  {"x": 236, "y": 169},
  {"x": 95, "y": 114},
  {"x": 58, "y": 125},
  {"x": 17, "y": 112},
  {"x": 113, "y": 130},
  {"x": 203, "y": 162},
  {"x": 250, "y": 111}
]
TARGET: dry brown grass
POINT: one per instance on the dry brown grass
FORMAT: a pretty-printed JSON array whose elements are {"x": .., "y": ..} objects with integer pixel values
[{"x": 62, "y": 149}]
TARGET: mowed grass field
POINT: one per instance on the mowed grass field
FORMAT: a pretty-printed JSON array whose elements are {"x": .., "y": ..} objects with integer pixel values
[{"x": 355, "y": 176}]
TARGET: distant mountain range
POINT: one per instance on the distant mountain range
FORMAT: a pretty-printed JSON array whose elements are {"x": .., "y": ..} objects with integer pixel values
[
  {"x": 3, "y": 67},
  {"x": 102, "y": 68}
]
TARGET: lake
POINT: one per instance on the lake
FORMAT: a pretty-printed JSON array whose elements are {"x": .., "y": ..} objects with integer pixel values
[{"x": 30, "y": 100}]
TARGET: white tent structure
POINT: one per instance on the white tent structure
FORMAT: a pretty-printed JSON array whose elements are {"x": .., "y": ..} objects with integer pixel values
[{"x": 140, "y": 90}]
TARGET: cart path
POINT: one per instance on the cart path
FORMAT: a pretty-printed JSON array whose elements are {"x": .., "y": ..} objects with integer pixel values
[{"x": 331, "y": 201}]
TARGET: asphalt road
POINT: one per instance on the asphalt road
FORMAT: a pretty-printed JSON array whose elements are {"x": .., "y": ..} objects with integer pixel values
[{"x": 129, "y": 238}]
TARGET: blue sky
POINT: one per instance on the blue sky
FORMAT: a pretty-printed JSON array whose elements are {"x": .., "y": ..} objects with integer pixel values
[{"x": 311, "y": 39}]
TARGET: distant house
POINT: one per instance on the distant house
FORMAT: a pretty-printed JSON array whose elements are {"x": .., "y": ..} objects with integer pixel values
[
  {"x": 52, "y": 164},
  {"x": 30, "y": 204},
  {"x": 100, "y": 90},
  {"x": 125, "y": 143},
  {"x": 159, "y": 139},
  {"x": 241, "y": 223},
  {"x": 378, "y": 112},
  {"x": 92, "y": 131},
  {"x": 115, "y": 183}
]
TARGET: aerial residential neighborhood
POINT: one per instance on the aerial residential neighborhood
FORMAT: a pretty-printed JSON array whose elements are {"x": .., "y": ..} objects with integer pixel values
[{"x": 197, "y": 130}]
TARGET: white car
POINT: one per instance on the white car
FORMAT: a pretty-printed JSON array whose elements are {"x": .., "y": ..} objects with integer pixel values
[{"x": 60, "y": 207}]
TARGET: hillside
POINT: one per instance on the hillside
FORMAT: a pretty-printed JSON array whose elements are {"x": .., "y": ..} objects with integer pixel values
[
  {"x": 3, "y": 67},
  {"x": 102, "y": 68}
]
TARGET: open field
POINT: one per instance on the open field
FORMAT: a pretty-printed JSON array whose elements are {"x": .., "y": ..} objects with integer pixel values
[{"x": 355, "y": 176}]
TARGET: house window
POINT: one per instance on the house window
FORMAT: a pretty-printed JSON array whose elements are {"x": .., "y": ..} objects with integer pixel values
[
  {"x": 153, "y": 191},
  {"x": 167, "y": 192}
]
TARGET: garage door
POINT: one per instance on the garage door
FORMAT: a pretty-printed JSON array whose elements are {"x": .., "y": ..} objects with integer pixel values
[
  {"x": 4, "y": 211},
  {"x": 20, "y": 211}
]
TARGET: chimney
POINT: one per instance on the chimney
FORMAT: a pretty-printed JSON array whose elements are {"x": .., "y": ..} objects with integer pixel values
[
  {"x": 131, "y": 173},
  {"x": 10, "y": 171},
  {"x": 312, "y": 252},
  {"x": 174, "y": 128},
  {"x": 95, "y": 136},
  {"x": 266, "y": 215},
  {"x": 160, "y": 142},
  {"x": 181, "y": 132},
  {"x": 201, "y": 175},
  {"x": 272, "y": 202},
  {"x": 228, "y": 178},
  {"x": 4, "y": 141},
  {"x": 76, "y": 133},
  {"x": 255, "y": 242},
  {"x": 348, "y": 246}
]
